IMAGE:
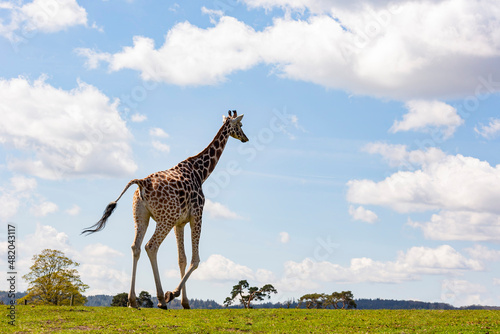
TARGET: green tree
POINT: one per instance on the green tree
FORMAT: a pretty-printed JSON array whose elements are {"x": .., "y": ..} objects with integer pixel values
[
  {"x": 253, "y": 293},
  {"x": 347, "y": 299},
  {"x": 321, "y": 300},
  {"x": 145, "y": 300},
  {"x": 313, "y": 300},
  {"x": 120, "y": 299},
  {"x": 54, "y": 280},
  {"x": 344, "y": 297}
]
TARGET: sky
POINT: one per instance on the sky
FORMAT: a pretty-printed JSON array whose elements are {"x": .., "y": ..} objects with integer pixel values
[{"x": 373, "y": 162}]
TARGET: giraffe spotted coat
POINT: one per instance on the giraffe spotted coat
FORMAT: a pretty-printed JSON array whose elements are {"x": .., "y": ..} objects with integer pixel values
[{"x": 173, "y": 198}]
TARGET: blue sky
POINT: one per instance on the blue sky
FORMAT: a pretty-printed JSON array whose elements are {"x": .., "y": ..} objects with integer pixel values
[{"x": 372, "y": 164}]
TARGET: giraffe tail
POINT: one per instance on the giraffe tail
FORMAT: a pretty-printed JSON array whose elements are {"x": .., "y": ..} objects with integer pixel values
[{"x": 107, "y": 212}]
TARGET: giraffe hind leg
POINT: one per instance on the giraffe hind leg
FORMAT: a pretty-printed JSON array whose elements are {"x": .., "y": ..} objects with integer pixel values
[{"x": 141, "y": 219}]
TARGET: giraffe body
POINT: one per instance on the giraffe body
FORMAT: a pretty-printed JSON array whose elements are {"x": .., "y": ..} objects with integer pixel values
[{"x": 173, "y": 198}]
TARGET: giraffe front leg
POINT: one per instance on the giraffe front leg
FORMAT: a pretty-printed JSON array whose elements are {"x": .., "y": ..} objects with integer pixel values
[
  {"x": 179, "y": 234},
  {"x": 195, "y": 260},
  {"x": 152, "y": 250}
]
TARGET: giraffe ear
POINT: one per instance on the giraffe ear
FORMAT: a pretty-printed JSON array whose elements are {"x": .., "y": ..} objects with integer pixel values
[{"x": 237, "y": 119}]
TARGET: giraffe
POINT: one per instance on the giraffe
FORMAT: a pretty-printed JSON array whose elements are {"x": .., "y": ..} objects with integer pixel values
[{"x": 173, "y": 198}]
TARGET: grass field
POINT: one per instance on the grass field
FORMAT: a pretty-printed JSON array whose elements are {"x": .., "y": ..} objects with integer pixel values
[{"x": 61, "y": 319}]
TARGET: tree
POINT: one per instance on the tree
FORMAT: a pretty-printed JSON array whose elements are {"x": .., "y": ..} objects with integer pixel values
[
  {"x": 313, "y": 300},
  {"x": 321, "y": 300},
  {"x": 120, "y": 299},
  {"x": 54, "y": 280},
  {"x": 344, "y": 297},
  {"x": 347, "y": 299},
  {"x": 145, "y": 300},
  {"x": 254, "y": 293}
]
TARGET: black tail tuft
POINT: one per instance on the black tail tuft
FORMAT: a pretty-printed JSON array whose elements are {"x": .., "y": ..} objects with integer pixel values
[{"x": 101, "y": 223}]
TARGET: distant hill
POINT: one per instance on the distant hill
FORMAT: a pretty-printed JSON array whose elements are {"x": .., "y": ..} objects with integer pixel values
[
  {"x": 4, "y": 296},
  {"x": 363, "y": 304},
  {"x": 389, "y": 304}
]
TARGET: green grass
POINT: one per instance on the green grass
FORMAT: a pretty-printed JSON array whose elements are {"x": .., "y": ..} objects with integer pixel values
[{"x": 65, "y": 319}]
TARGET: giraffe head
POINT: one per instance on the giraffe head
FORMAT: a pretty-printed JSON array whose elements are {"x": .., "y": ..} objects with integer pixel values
[{"x": 234, "y": 122}]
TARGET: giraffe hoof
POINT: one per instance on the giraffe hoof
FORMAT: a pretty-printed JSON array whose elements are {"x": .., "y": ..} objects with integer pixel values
[
  {"x": 163, "y": 307},
  {"x": 132, "y": 305},
  {"x": 186, "y": 307},
  {"x": 169, "y": 296}
]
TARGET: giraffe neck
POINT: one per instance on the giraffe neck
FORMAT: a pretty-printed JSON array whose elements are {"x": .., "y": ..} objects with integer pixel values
[{"x": 204, "y": 162}]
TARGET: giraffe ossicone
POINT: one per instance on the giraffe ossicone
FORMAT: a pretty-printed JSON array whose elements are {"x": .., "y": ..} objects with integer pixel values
[{"x": 173, "y": 198}]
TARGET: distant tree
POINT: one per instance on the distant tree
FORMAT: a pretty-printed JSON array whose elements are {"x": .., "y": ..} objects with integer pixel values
[
  {"x": 145, "y": 300},
  {"x": 344, "y": 297},
  {"x": 54, "y": 280},
  {"x": 312, "y": 300},
  {"x": 289, "y": 303},
  {"x": 347, "y": 299},
  {"x": 120, "y": 299},
  {"x": 321, "y": 300},
  {"x": 254, "y": 293}
]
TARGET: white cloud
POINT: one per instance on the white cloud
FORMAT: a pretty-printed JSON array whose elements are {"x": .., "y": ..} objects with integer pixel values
[
  {"x": 483, "y": 253},
  {"x": 44, "y": 208},
  {"x": 464, "y": 293},
  {"x": 453, "y": 182},
  {"x": 264, "y": 276},
  {"x": 399, "y": 156},
  {"x": 159, "y": 146},
  {"x": 9, "y": 204},
  {"x": 461, "y": 225},
  {"x": 219, "y": 268},
  {"x": 104, "y": 279},
  {"x": 52, "y": 16},
  {"x": 189, "y": 56},
  {"x": 100, "y": 254},
  {"x": 408, "y": 266},
  {"x": 137, "y": 118},
  {"x": 219, "y": 211},
  {"x": 437, "y": 260},
  {"x": 93, "y": 57},
  {"x": 158, "y": 132},
  {"x": 46, "y": 16},
  {"x": 74, "y": 210},
  {"x": 20, "y": 192},
  {"x": 212, "y": 13},
  {"x": 95, "y": 260},
  {"x": 284, "y": 237},
  {"x": 465, "y": 190},
  {"x": 427, "y": 116},
  {"x": 60, "y": 134},
  {"x": 97, "y": 270},
  {"x": 489, "y": 131},
  {"x": 408, "y": 51},
  {"x": 360, "y": 213},
  {"x": 22, "y": 183},
  {"x": 13, "y": 194},
  {"x": 315, "y": 6},
  {"x": 44, "y": 237}
]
